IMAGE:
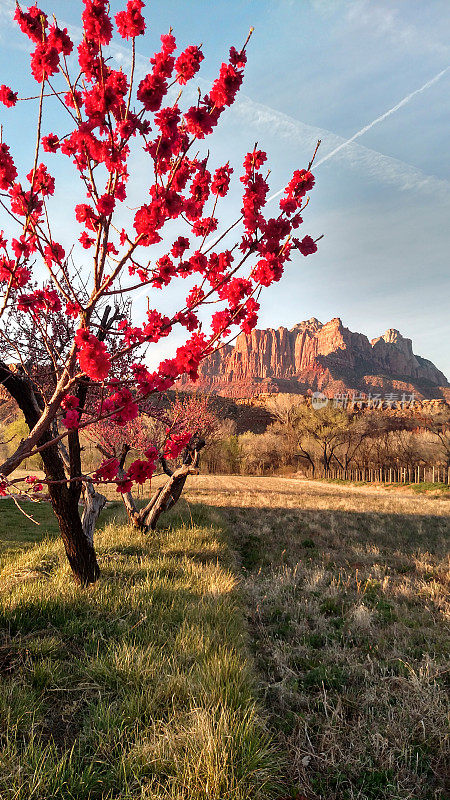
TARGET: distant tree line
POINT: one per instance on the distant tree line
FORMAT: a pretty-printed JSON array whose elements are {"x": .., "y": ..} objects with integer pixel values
[{"x": 303, "y": 439}]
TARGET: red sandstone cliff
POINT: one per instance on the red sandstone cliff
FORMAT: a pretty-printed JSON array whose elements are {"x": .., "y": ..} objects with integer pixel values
[{"x": 313, "y": 356}]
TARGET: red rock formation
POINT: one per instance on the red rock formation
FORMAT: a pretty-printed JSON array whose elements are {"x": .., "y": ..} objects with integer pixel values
[{"x": 312, "y": 356}]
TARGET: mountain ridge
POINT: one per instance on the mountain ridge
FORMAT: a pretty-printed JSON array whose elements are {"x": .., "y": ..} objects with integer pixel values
[{"x": 315, "y": 356}]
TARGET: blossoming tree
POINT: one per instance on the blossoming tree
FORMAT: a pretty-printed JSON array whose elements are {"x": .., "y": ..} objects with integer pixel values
[
  {"x": 72, "y": 347},
  {"x": 181, "y": 429}
]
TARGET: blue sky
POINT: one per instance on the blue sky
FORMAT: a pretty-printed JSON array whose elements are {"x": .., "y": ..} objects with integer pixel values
[{"x": 321, "y": 69}]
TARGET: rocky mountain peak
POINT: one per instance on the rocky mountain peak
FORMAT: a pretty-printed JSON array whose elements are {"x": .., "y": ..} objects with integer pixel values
[{"x": 314, "y": 356}]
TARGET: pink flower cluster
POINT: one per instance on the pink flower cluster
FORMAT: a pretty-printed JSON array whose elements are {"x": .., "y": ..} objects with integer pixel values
[
  {"x": 120, "y": 406},
  {"x": 92, "y": 355},
  {"x": 70, "y": 404},
  {"x": 50, "y": 42}
]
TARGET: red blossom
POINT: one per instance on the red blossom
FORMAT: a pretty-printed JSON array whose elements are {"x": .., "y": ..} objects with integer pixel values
[
  {"x": 147, "y": 221},
  {"x": 220, "y": 322},
  {"x": 200, "y": 121},
  {"x": 24, "y": 203},
  {"x": 251, "y": 316},
  {"x": 203, "y": 227},
  {"x": 179, "y": 247},
  {"x": 151, "y": 91},
  {"x": 41, "y": 180},
  {"x": 226, "y": 86},
  {"x": 60, "y": 40},
  {"x": 8, "y": 172},
  {"x": 40, "y": 300},
  {"x": 44, "y": 61},
  {"x": 72, "y": 309},
  {"x": 86, "y": 214},
  {"x": 10, "y": 272},
  {"x": 96, "y": 22},
  {"x": 268, "y": 270},
  {"x": 131, "y": 23},
  {"x": 140, "y": 471},
  {"x": 54, "y": 253},
  {"x": 33, "y": 23},
  {"x": 168, "y": 43},
  {"x": 306, "y": 246},
  {"x": 71, "y": 419},
  {"x": 123, "y": 404},
  {"x": 235, "y": 290},
  {"x": 253, "y": 161},
  {"x": 254, "y": 199},
  {"x": 188, "y": 356},
  {"x": 86, "y": 241},
  {"x": 221, "y": 180},
  {"x": 238, "y": 58},
  {"x": 74, "y": 99},
  {"x": 105, "y": 205},
  {"x": 188, "y": 64},
  {"x": 92, "y": 355},
  {"x": 7, "y": 96},
  {"x": 51, "y": 300},
  {"x": 89, "y": 60},
  {"x": 107, "y": 470},
  {"x": 301, "y": 182},
  {"x": 176, "y": 443},
  {"x": 23, "y": 247},
  {"x": 70, "y": 401},
  {"x": 50, "y": 143},
  {"x": 164, "y": 273}
]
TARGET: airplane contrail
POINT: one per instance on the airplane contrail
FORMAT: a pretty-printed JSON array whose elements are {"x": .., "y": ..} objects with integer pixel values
[{"x": 374, "y": 122}]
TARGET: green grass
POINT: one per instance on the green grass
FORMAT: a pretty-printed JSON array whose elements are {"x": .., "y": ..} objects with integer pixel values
[
  {"x": 18, "y": 532},
  {"x": 144, "y": 686},
  {"x": 138, "y": 687},
  {"x": 425, "y": 486}
]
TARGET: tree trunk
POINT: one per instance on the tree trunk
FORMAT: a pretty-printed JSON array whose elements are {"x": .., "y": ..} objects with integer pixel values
[
  {"x": 93, "y": 504},
  {"x": 79, "y": 550},
  {"x": 168, "y": 495},
  {"x": 63, "y": 496}
]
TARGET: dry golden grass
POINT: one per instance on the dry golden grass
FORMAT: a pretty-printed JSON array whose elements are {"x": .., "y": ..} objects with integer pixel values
[{"x": 348, "y": 608}]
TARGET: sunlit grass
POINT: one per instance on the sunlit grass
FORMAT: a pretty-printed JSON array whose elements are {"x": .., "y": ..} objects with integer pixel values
[{"x": 138, "y": 687}]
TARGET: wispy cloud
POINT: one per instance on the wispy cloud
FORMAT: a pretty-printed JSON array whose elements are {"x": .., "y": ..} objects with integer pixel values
[
  {"x": 384, "y": 20},
  {"x": 388, "y": 170},
  {"x": 384, "y": 116}
]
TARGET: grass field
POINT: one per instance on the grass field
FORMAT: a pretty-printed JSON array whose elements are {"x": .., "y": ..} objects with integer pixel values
[
  {"x": 136, "y": 688},
  {"x": 279, "y": 638},
  {"x": 347, "y": 597}
]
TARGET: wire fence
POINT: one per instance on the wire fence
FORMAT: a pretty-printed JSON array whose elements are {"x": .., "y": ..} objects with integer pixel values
[{"x": 416, "y": 474}]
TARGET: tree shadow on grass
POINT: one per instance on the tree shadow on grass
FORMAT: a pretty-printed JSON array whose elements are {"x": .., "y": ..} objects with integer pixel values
[{"x": 289, "y": 531}]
